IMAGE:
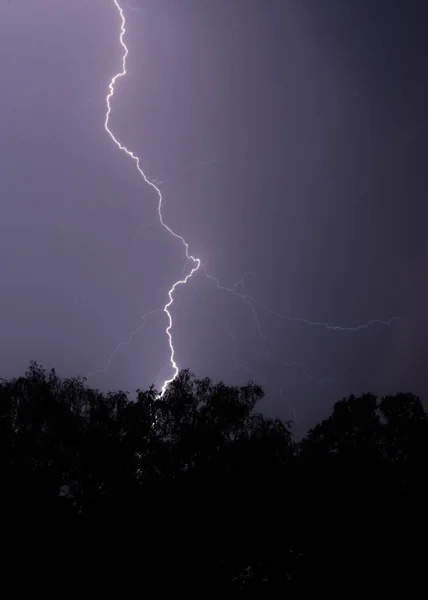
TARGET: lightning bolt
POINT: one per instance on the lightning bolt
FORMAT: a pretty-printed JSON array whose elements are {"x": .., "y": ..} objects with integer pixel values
[
  {"x": 194, "y": 260},
  {"x": 238, "y": 289}
]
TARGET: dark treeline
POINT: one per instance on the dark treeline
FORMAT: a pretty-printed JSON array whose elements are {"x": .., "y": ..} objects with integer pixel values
[{"x": 200, "y": 493}]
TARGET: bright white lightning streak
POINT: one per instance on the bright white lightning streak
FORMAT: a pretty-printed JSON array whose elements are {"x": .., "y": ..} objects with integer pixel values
[
  {"x": 196, "y": 261},
  {"x": 249, "y": 300}
]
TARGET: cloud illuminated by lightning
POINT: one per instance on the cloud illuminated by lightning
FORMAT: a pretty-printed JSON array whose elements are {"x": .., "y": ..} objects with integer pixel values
[{"x": 195, "y": 261}]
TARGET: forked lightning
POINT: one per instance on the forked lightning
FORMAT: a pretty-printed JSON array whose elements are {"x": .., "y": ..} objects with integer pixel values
[
  {"x": 195, "y": 261},
  {"x": 237, "y": 290}
]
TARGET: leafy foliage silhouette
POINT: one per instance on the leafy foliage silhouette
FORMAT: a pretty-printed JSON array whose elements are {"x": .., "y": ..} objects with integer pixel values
[{"x": 198, "y": 490}]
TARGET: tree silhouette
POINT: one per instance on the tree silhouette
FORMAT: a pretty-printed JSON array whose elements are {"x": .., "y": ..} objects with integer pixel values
[
  {"x": 198, "y": 491},
  {"x": 369, "y": 460}
]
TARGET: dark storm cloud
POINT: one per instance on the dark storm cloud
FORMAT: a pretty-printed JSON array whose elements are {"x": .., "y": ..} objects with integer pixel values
[{"x": 290, "y": 140}]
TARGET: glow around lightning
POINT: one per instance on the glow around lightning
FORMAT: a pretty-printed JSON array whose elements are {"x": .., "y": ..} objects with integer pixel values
[{"x": 195, "y": 261}]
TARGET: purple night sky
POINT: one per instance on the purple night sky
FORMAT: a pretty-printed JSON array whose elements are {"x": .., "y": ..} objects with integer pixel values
[{"x": 289, "y": 137}]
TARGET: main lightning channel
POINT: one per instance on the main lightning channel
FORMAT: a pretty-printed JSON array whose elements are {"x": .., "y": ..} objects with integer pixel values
[{"x": 195, "y": 261}]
